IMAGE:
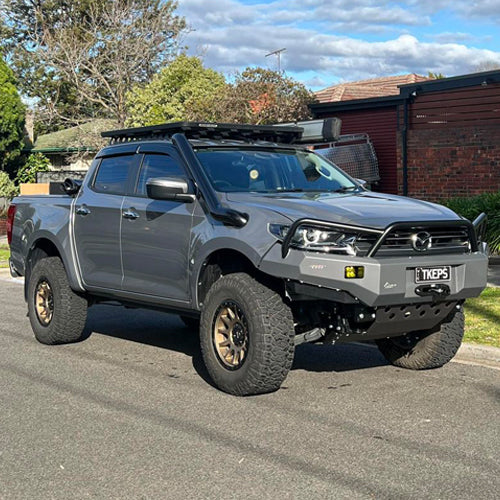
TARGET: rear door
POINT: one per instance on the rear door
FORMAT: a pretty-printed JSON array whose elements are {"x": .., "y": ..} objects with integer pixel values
[
  {"x": 97, "y": 221},
  {"x": 156, "y": 233}
]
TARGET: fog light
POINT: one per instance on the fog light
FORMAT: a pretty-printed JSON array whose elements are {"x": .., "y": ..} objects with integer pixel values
[{"x": 354, "y": 272}]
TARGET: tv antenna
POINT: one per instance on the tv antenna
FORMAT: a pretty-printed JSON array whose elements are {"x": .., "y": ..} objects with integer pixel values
[{"x": 277, "y": 53}]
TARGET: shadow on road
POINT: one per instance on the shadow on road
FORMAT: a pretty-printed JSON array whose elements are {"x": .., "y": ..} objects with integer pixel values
[{"x": 168, "y": 332}]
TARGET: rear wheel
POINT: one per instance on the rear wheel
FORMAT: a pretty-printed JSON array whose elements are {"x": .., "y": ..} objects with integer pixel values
[
  {"x": 57, "y": 314},
  {"x": 427, "y": 349},
  {"x": 246, "y": 336}
]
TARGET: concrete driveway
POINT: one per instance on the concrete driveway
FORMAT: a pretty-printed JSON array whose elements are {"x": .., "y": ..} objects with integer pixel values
[{"x": 130, "y": 413}]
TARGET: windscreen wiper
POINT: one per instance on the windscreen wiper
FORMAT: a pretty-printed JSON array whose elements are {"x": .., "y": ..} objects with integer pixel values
[{"x": 345, "y": 189}]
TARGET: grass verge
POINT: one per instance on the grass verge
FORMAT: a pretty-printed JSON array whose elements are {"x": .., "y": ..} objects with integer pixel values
[
  {"x": 4, "y": 255},
  {"x": 482, "y": 318}
]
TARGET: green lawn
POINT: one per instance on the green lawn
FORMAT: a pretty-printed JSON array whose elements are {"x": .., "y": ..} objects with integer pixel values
[
  {"x": 482, "y": 318},
  {"x": 4, "y": 255}
]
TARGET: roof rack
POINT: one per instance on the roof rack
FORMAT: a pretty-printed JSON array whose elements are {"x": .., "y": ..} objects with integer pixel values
[{"x": 200, "y": 130}]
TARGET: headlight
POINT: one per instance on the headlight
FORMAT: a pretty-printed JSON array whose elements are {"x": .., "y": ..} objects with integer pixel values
[{"x": 317, "y": 239}]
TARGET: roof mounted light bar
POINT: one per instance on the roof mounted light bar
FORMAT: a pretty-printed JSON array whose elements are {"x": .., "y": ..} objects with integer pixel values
[
  {"x": 325, "y": 130},
  {"x": 200, "y": 130}
]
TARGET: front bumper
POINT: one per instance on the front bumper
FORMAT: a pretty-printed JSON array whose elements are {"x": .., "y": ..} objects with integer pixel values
[{"x": 387, "y": 280}]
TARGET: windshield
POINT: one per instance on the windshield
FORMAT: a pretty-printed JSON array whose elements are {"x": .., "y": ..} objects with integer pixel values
[{"x": 271, "y": 171}]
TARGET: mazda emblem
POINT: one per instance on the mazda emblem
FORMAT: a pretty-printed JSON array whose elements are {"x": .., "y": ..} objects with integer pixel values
[{"x": 421, "y": 242}]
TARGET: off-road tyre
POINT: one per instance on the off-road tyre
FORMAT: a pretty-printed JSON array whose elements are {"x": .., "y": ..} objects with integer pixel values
[
  {"x": 425, "y": 350},
  {"x": 270, "y": 336},
  {"x": 69, "y": 310},
  {"x": 190, "y": 322}
]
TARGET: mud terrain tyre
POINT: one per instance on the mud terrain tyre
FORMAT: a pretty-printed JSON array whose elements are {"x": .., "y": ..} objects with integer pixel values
[
  {"x": 57, "y": 314},
  {"x": 425, "y": 350},
  {"x": 246, "y": 336}
]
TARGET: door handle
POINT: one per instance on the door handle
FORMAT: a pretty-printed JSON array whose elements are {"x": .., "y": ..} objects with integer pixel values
[
  {"x": 130, "y": 214},
  {"x": 83, "y": 210}
]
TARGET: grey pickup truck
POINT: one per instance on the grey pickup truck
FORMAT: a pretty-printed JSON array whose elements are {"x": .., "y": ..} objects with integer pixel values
[{"x": 253, "y": 239}]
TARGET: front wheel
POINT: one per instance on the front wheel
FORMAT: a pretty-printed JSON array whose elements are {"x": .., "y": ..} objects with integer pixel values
[
  {"x": 57, "y": 314},
  {"x": 425, "y": 350},
  {"x": 246, "y": 336}
]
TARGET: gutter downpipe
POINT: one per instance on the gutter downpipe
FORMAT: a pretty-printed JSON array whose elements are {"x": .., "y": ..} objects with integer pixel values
[{"x": 404, "y": 140}]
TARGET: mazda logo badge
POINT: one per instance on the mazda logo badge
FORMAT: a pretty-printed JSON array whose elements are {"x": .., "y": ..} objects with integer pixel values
[{"x": 421, "y": 242}]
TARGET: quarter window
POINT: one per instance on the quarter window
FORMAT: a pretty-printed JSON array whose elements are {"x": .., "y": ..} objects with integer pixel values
[
  {"x": 157, "y": 166},
  {"x": 113, "y": 174}
]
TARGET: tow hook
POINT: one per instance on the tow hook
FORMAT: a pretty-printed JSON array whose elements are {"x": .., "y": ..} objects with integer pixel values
[{"x": 435, "y": 290}]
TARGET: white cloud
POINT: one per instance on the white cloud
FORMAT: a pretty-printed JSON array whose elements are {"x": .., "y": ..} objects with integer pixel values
[{"x": 232, "y": 35}]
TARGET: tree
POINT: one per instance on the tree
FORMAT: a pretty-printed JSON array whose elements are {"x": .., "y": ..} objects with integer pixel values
[
  {"x": 36, "y": 162},
  {"x": 12, "y": 114},
  {"x": 263, "y": 96},
  {"x": 435, "y": 76},
  {"x": 487, "y": 66},
  {"x": 80, "y": 58},
  {"x": 184, "y": 90}
]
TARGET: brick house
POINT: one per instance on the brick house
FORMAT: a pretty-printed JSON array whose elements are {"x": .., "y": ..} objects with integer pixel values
[{"x": 434, "y": 139}]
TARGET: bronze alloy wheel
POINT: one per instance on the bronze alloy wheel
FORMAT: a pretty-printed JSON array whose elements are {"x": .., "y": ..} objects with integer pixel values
[
  {"x": 230, "y": 335},
  {"x": 44, "y": 302}
]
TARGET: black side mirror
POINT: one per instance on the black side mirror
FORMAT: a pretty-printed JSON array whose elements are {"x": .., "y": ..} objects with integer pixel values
[{"x": 170, "y": 188}]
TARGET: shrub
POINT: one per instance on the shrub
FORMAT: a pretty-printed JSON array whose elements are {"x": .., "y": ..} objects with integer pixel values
[
  {"x": 470, "y": 208},
  {"x": 7, "y": 187},
  {"x": 36, "y": 162}
]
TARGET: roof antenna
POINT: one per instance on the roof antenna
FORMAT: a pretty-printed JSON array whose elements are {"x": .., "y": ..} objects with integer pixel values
[{"x": 277, "y": 53}]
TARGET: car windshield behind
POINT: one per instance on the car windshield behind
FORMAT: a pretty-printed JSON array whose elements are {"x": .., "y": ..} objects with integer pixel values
[{"x": 271, "y": 171}]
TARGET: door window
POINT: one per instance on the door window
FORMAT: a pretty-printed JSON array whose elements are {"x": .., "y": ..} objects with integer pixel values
[
  {"x": 157, "y": 166},
  {"x": 113, "y": 174}
]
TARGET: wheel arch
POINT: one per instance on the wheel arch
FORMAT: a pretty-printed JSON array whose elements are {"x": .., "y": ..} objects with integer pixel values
[
  {"x": 45, "y": 245},
  {"x": 221, "y": 262}
]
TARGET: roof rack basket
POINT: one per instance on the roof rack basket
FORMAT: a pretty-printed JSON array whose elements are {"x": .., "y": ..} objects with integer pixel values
[{"x": 215, "y": 131}]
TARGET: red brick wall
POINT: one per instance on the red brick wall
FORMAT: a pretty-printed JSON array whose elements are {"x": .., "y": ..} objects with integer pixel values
[
  {"x": 3, "y": 227},
  {"x": 449, "y": 162}
]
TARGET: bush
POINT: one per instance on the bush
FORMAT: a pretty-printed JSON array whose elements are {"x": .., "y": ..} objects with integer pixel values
[
  {"x": 470, "y": 208},
  {"x": 7, "y": 187},
  {"x": 36, "y": 162}
]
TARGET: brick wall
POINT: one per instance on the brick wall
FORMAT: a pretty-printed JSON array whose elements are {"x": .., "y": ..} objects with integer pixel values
[
  {"x": 3, "y": 227},
  {"x": 452, "y": 161}
]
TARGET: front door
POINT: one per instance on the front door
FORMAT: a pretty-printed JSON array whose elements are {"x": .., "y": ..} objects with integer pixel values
[
  {"x": 97, "y": 223},
  {"x": 156, "y": 234}
]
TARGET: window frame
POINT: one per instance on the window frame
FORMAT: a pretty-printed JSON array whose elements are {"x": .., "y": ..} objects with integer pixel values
[
  {"x": 143, "y": 154},
  {"x": 130, "y": 174}
]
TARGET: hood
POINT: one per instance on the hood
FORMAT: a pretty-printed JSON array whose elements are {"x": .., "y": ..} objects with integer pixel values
[{"x": 376, "y": 210}]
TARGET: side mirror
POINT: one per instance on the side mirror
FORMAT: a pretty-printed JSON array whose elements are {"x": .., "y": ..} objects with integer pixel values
[{"x": 170, "y": 188}]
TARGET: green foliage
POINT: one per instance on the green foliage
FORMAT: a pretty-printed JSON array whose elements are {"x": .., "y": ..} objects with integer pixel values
[
  {"x": 36, "y": 162},
  {"x": 263, "y": 96},
  {"x": 435, "y": 76},
  {"x": 11, "y": 118},
  {"x": 7, "y": 187},
  {"x": 470, "y": 208},
  {"x": 79, "y": 59},
  {"x": 181, "y": 91}
]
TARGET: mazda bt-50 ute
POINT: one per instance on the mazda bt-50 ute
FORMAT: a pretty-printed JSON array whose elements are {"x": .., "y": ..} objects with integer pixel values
[{"x": 253, "y": 239}]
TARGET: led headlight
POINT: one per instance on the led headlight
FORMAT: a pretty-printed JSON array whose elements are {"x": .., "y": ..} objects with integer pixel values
[{"x": 318, "y": 239}]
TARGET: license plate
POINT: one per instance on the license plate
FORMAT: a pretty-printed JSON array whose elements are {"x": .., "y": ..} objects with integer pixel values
[{"x": 430, "y": 274}]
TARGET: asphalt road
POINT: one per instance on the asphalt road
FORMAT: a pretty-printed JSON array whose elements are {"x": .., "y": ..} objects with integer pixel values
[{"x": 130, "y": 413}]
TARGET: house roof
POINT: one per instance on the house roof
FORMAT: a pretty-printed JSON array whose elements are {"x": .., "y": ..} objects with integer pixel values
[
  {"x": 365, "y": 89},
  {"x": 80, "y": 138}
]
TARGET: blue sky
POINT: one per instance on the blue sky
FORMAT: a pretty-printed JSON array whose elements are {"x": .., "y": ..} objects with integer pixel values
[{"x": 330, "y": 41}]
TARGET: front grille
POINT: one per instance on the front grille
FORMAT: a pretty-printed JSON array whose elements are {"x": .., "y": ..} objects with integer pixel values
[{"x": 455, "y": 240}]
